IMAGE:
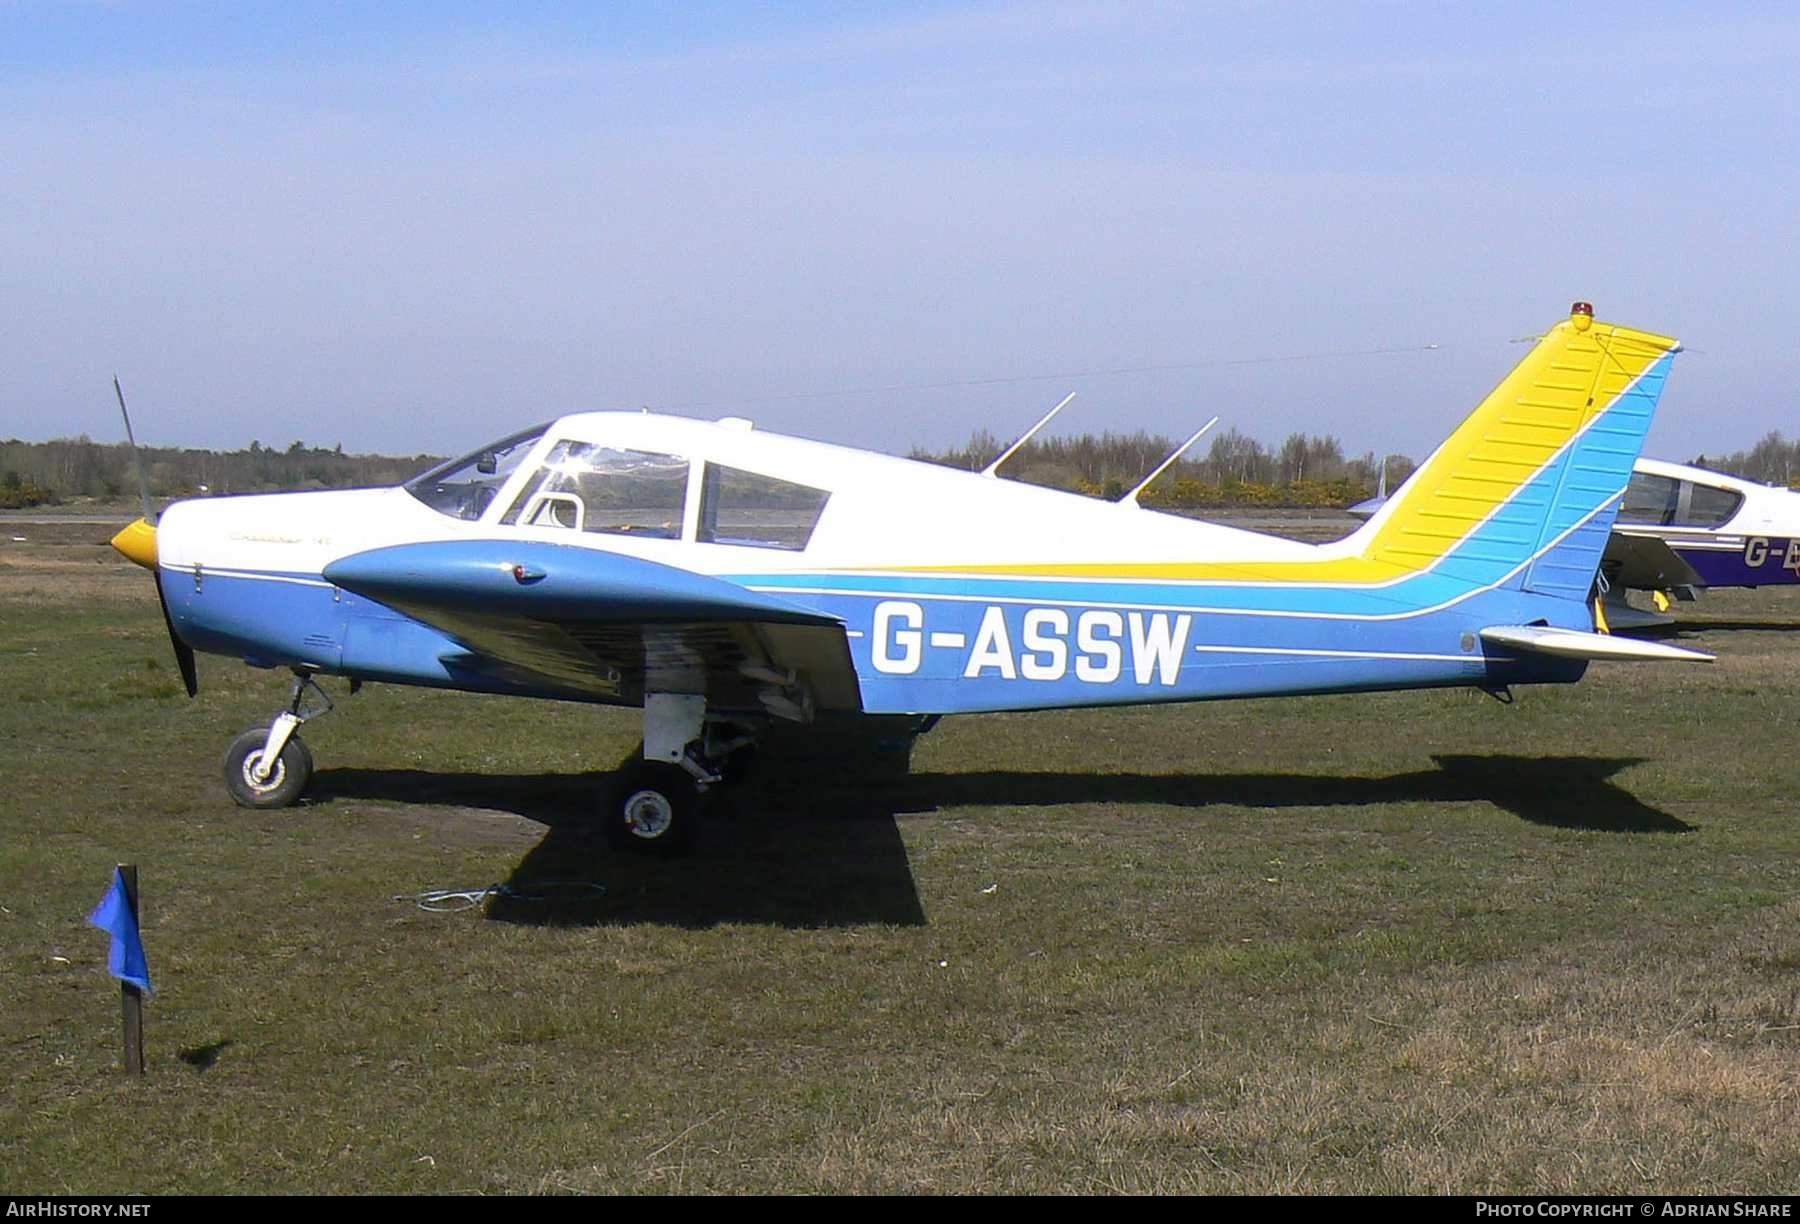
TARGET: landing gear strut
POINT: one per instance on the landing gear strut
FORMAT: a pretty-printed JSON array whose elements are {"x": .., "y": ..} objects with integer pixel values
[{"x": 270, "y": 767}]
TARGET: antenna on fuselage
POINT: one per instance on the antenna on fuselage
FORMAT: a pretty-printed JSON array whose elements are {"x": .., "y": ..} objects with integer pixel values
[
  {"x": 1132, "y": 497},
  {"x": 992, "y": 470}
]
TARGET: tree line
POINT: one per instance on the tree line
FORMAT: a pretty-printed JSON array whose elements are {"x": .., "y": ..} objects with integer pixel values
[
  {"x": 1773, "y": 460},
  {"x": 1232, "y": 470},
  {"x": 44, "y": 473},
  {"x": 1305, "y": 470},
  {"x": 1235, "y": 470}
]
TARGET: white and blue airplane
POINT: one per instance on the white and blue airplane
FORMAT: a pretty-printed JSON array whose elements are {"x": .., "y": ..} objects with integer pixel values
[
  {"x": 721, "y": 578},
  {"x": 1682, "y": 529}
]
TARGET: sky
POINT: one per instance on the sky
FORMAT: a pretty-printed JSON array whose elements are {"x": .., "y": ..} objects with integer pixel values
[{"x": 419, "y": 227}]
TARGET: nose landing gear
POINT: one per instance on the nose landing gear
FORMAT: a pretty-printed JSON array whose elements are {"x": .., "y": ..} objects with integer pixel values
[
  {"x": 252, "y": 784},
  {"x": 270, "y": 767}
]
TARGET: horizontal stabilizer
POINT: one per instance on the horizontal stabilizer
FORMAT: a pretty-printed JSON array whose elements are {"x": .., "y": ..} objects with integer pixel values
[{"x": 1575, "y": 644}]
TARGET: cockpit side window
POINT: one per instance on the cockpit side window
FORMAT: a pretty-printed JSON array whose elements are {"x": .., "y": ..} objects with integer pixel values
[
  {"x": 583, "y": 486},
  {"x": 1663, "y": 501},
  {"x": 1649, "y": 499},
  {"x": 753, "y": 511},
  {"x": 464, "y": 488}
]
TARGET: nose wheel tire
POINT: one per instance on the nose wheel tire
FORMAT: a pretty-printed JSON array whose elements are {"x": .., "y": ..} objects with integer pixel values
[
  {"x": 285, "y": 783},
  {"x": 650, "y": 808}
]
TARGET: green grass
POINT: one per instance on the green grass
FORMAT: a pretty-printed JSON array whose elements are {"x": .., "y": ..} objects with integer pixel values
[{"x": 1402, "y": 943}]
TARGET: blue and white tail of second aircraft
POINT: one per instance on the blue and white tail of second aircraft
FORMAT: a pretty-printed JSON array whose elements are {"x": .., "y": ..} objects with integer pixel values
[{"x": 1478, "y": 572}]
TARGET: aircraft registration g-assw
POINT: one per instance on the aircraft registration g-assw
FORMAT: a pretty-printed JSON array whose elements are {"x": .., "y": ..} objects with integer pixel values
[{"x": 722, "y": 577}]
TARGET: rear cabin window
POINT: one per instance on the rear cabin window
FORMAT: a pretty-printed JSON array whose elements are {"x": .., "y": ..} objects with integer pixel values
[
  {"x": 1708, "y": 506},
  {"x": 752, "y": 511},
  {"x": 583, "y": 486}
]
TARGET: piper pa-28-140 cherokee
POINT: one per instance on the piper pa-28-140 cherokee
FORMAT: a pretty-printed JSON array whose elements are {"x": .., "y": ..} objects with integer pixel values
[{"x": 722, "y": 577}]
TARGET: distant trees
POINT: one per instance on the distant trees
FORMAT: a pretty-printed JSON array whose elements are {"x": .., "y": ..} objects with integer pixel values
[
  {"x": 1235, "y": 469},
  {"x": 18, "y": 493},
  {"x": 36, "y": 473},
  {"x": 1773, "y": 460},
  {"x": 1232, "y": 469}
]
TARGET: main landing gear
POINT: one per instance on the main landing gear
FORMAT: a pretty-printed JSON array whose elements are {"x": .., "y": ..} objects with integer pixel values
[
  {"x": 650, "y": 806},
  {"x": 270, "y": 767},
  {"x": 654, "y": 801}
]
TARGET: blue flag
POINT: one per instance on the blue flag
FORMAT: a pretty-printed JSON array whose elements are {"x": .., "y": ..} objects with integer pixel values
[{"x": 113, "y": 915}]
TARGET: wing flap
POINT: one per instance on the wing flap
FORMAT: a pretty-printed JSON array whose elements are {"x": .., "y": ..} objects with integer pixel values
[
  {"x": 1646, "y": 563},
  {"x": 1575, "y": 644}
]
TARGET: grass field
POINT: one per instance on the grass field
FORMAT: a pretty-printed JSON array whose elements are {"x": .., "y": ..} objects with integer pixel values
[{"x": 1403, "y": 943}]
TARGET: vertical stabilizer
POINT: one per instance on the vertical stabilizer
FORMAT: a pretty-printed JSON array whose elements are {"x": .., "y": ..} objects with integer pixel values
[{"x": 1530, "y": 483}]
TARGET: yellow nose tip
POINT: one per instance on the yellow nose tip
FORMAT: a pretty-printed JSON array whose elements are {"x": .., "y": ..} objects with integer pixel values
[{"x": 138, "y": 543}]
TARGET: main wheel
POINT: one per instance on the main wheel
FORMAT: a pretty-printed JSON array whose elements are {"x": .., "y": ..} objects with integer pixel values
[
  {"x": 285, "y": 783},
  {"x": 650, "y": 808}
]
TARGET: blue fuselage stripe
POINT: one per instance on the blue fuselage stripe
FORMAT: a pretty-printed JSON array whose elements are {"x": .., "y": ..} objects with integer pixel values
[
  {"x": 937, "y": 655},
  {"x": 953, "y": 642}
]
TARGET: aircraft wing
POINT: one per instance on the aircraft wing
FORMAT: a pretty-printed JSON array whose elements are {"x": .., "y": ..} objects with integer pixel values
[
  {"x": 1645, "y": 563},
  {"x": 602, "y": 624}
]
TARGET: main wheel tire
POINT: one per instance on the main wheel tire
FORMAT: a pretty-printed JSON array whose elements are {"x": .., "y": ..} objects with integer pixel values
[
  {"x": 650, "y": 808},
  {"x": 283, "y": 787}
]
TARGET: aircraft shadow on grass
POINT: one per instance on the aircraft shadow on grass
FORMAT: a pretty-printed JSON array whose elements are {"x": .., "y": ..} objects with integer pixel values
[
  {"x": 1695, "y": 631},
  {"x": 1558, "y": 792},
  {"x": 829, "y": 854},
  {"x": 772, "y": 856}
]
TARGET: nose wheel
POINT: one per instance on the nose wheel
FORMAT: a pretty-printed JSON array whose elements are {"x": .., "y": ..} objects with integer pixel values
[
  {"x": 269, "y": 767},
  {"x": 253, "y": 785}
]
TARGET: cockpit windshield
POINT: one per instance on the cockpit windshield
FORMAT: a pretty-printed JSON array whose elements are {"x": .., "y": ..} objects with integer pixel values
[
  {"x": 465, "y": 487},
  {"x": 587, "y": 486}
]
